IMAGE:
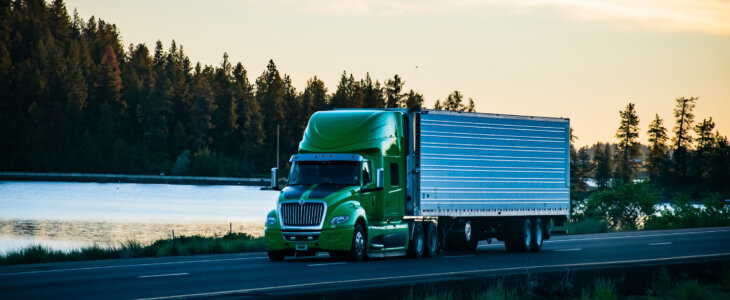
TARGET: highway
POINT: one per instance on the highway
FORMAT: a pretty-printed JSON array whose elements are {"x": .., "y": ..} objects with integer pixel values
[{"x": 252, "y": 275}]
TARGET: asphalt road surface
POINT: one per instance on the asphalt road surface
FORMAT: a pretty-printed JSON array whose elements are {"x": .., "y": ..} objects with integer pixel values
[{"x": 252, "y": 274}]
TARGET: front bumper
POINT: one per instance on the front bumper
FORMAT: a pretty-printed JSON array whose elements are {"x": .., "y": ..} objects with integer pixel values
[{"x": 330, "y": 239}]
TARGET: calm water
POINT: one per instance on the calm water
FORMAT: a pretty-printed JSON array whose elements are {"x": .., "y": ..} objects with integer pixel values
[{"x": 67, "y": 215}]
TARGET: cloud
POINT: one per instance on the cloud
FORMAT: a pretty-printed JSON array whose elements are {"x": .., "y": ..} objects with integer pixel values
[{"x": 708, "y": 16}]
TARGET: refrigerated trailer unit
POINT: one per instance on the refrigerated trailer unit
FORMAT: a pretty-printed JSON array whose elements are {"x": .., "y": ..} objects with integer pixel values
[{"x": 394, "y": 181}]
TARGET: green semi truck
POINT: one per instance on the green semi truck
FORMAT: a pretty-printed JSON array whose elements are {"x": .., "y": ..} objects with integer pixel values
[{"x": 385, "y": 182}]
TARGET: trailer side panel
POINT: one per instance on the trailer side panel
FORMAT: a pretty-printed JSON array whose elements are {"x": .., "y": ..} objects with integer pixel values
[{"x": 493, "y": 165}]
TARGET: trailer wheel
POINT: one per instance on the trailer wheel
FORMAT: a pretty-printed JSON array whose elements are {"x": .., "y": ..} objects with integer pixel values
[
  {"x": 519, "y": 235},
  {"x": 537, "y": 236},
  {"x": 415, "y": 247},
  {"x": 357, "y": 250},
  {"x": 432, "y": 240},
  {"x": 547, "y": 229}
]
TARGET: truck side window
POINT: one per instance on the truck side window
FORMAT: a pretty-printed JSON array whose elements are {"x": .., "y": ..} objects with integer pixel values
[
  {"x": 394, "y": 174},
  {"x": 366, "y": 173}
]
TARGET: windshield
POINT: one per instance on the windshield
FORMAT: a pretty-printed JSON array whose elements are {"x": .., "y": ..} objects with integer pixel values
[{"x": 334, "y": 172}]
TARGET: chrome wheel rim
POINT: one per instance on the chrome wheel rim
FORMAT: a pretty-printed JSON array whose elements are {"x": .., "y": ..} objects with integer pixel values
[
  {"x": 359, "y": 243},
  {"x": 419, "y": 244},
  {"x": 528, "y": 233},
  {"x": 538, "y": 233}
]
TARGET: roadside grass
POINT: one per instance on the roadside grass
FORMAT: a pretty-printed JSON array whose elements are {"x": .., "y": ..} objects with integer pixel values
[
  {"x": 183, "y": 245},
  {"x": 663, "y": 286}
]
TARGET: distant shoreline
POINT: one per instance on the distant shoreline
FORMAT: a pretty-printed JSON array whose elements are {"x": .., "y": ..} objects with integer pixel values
[{"x": 117, "y": 178}]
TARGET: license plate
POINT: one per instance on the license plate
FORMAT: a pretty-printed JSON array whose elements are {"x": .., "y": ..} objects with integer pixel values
[{"x": 301, "y": 247}]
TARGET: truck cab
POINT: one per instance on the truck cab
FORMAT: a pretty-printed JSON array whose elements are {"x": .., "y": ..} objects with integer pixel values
[{"x": 346, "y": 189}]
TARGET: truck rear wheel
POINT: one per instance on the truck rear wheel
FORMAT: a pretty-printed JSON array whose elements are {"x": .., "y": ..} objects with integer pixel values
[
  {"x": 359, "y": 239},
  {"x": 519, "y": 235},
  {"x": 432, "y": 240},
  {"x": 537, "y": 237},
  {"x": 415, "y": 247}
]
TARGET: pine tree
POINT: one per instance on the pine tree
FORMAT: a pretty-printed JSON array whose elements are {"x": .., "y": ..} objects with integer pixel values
[
  {"x": 454, "y": 102},
  {"x": 706, "y": 144},
  {"x": 414, "y": 100},
  {"x": 270, "y": 94},
  {"x": 203, "y": 107},
  {"x": 683, "y": 112},
  {"x": 393, "y": 88},
  {"x": 342, "y": 96},
  {"x": 250, "y": 119},
  {"x": 628, "y": 145},
  {"x": 291, "y": 133},
  {"x": 225, "y": 117},
  {"x": 583, "y": 169},
  {"x": 314, "y": 98},
  {"x": 602, "y": 162},
  {"x": 107, "y": 95},
  {"x": 372, "y": 93},
  {"x": 437, "y": 105},
  {"x": 470, "y": 106},
  {"x": 657, "y": 157}
]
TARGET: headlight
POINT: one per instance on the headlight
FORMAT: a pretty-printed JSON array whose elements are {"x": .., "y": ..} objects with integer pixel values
[
  {"x": 270, "y": 221},
  {"x": 339, "y": 220}
]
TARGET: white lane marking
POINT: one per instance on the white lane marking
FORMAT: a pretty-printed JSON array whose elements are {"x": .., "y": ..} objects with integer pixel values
[
  {"x": 659, "y": 244},
  {"x": 132, "y": 265},
  {"x": 327, "y": 264},
  {"x": 314, "y": 284},
  {"x": 636, "y": 236},
  {"x": 455, "y": 256},
  {"x": 566, "y": 250},
  {"x": 163, "y": 275}
]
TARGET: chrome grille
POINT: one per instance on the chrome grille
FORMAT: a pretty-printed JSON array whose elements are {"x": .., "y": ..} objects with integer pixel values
[{"x": 295, "y": 214}]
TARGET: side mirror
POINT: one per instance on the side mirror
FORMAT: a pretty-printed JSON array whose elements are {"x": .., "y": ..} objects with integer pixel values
[
  {"x": 379, "y": 178},
  {"x": 275, "y": 178}
]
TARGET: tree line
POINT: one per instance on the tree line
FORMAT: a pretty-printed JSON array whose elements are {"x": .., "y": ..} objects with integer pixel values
[
  {"x": 73, "y": 98},
  {"x": 621, "y": 187}
]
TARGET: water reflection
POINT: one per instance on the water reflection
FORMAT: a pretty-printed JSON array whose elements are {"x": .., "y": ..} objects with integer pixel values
[{"x": 75, "y": 234}]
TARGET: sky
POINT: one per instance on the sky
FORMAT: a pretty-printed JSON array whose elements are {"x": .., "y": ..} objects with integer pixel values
[{"x": 580, "y": 59}]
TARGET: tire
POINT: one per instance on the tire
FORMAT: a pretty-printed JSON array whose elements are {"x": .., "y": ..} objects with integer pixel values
[
  {"x": 518, "y": 235},
  {"x": 415, "y": 247},
  {"x": 432, "y": 240},
  {"x": 359, "y": 243},
  {"x": 276, "y": 255},
  {"x": 547, "y": 229},
  {"x": 537, "y": 236}
]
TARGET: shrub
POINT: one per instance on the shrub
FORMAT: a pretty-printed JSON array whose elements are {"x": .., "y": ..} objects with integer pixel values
[{"x": 624, "y": 205}]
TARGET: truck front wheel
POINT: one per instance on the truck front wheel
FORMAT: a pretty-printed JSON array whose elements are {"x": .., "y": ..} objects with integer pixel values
[
  {"x": 276, "y": 255},
  {"x": 357, "y": 250}
]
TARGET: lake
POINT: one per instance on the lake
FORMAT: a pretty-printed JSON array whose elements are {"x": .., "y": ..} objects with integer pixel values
[{"x": 68, "y": 215}]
